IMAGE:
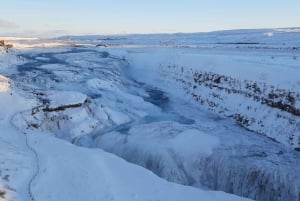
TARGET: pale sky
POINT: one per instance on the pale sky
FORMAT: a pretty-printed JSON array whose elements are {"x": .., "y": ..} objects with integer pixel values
[{"x": 61, "y": 17}]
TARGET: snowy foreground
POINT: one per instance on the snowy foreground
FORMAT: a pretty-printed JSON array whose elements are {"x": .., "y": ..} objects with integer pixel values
[{"x": 152, "y": 117}]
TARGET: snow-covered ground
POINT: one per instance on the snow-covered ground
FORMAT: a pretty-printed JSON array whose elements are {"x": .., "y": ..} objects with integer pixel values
[{"x": 210, "y": 111}]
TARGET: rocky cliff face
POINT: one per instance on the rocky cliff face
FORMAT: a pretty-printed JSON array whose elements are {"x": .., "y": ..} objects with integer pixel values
[{"x": 257, "y": 106}]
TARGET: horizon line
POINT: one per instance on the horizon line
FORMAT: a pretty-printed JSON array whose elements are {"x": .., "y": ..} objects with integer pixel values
[{"x": 38, "y": 35}]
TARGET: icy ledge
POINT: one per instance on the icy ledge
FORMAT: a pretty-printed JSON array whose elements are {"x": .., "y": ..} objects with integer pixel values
[{"x": 61, "y": 100}]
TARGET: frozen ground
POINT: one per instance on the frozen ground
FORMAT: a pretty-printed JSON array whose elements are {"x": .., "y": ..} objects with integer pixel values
[{"x": 210, "y": 111}]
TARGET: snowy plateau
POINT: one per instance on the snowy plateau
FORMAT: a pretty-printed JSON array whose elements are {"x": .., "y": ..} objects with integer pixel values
[{"x": 162, "y": 117}]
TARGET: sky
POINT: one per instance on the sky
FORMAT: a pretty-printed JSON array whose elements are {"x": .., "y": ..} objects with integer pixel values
[{"x": 79, "y": 17}]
